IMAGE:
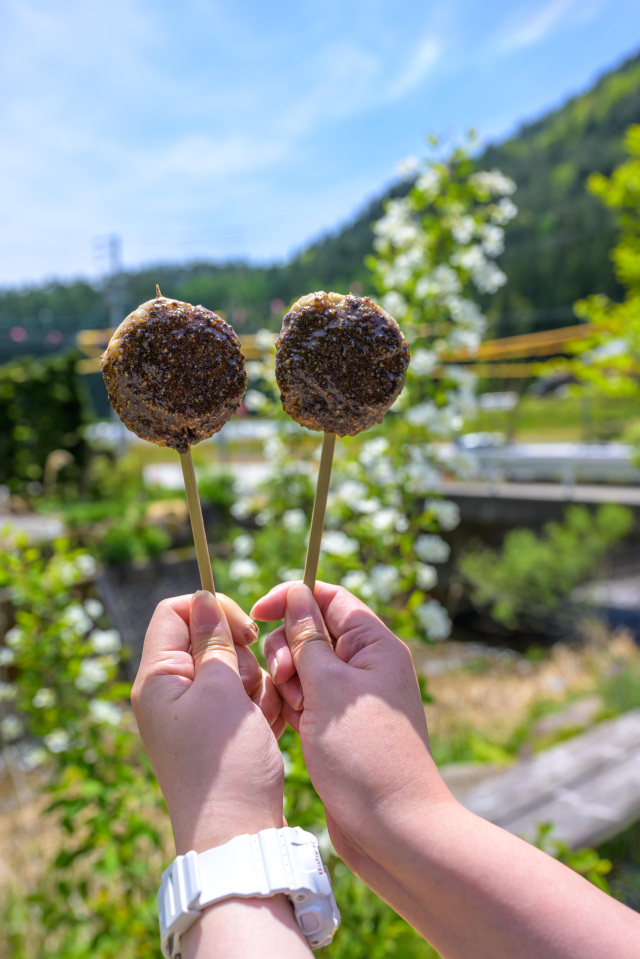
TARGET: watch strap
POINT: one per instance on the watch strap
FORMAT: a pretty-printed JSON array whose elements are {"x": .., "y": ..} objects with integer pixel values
[{"x": 272, "y": 861}]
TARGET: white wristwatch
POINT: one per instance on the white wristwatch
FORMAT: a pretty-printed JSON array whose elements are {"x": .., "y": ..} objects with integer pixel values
[{"x": 270, "y": 862}]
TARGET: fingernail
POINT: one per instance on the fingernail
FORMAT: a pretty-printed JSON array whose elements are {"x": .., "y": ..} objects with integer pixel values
[
  {"x": 300, "y": 603},
  {"x": 297, "y": 706},
  {"x": 272, "y": 664},
  {"x": 205, "y": 612},
  {"x": 251, "y": 631}
]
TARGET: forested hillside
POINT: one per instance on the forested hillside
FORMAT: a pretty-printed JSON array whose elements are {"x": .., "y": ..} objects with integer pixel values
[{"x": 557, "y": 248}]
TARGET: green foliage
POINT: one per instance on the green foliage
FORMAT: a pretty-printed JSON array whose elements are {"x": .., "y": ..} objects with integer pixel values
[
  {"x": 621, "y": 689},
  {"x": 95, "y": 894},
  {"x": 217, "y": 487},
  {"x": 528, "y": 582},
  {"x": 41, "y": 411},
  {"x": 586, "y": 862},
  {"x": 608, "y": 361}
]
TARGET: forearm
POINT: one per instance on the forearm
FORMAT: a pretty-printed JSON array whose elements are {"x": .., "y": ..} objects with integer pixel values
[
  {"x": 237, "y": 928},
  {"x": 475, "y": 892}
]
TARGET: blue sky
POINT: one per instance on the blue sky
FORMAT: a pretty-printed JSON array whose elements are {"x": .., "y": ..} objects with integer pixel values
[{"x": 245, "y": 129}]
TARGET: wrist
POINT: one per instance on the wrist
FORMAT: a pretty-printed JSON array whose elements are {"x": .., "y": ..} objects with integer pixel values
[
  {"x": 210, "y": 826},
  {"x": 236, "y": 925}
]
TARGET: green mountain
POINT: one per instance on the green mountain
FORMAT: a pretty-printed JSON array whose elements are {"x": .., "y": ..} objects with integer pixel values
[{"x": 557, "y": 249}]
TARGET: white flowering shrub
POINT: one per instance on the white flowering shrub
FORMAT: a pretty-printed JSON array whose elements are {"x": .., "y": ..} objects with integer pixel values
[
  {"x": 64, "y": 712},
  {"x": 435, "y": 252}
]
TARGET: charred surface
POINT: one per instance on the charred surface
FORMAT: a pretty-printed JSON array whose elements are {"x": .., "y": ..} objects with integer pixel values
[
  {"x": 340, "y": 362},
  {"x": 174, "y": 373}
]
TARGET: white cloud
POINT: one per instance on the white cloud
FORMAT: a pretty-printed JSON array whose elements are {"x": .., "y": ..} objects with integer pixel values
[
  {"x": 534, "y": 26},
  {"x": 420, "y": 63}
]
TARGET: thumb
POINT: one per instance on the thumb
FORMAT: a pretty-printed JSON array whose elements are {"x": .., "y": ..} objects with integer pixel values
[
  {"x": 306, "y": 632},
  {"x": 209, "y": 632}
]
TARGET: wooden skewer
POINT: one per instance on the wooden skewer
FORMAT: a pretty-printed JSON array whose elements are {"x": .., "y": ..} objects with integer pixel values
[
  {"x": 197, "y": 523},
  {"x": 319, "y": 509}
]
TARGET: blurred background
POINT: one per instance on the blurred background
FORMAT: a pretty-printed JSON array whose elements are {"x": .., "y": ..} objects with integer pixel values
[{"x": 475, "y": 170}]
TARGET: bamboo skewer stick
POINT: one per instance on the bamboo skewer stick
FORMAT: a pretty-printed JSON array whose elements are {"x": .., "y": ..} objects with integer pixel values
[
  {"x": 319, "y": 510},
  {"x": 197, "y": 523}
]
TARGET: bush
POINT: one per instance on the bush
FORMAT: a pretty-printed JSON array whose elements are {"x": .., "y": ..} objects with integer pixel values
[
  {"x": 42, "y": 410},
  {"x": 527, "y": 584}
]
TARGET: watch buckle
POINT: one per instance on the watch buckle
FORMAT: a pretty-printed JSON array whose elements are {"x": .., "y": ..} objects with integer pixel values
[{"x": 179, "y": 893}]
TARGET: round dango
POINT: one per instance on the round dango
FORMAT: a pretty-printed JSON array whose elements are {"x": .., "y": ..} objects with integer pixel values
[
  {"x": 174, "y": 372},
  {"x": 340, "y": 362}
]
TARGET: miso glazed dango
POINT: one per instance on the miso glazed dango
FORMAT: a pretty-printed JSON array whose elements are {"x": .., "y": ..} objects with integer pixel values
[
  {"x": 340, "y": 362},
  {"x": 174, "y": 372}
]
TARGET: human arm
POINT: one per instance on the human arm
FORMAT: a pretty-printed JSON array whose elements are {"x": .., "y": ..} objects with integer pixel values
[
  {"x": 204, "y": 709},
  {"x": 473, "y": 890}
]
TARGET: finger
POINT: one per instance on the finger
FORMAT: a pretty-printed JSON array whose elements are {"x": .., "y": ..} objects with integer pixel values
[
  {"x": 278, "y": 727},
  {"x": 307, "y": 637},
  {"x": 167, "y": 641},
  {"x": 250, "y": 671},
  {"x": 291, "y": 693},
  {"x": 267, "y": 698},
  {"x": 243, "y": 629},
  {"x": 278, "y": 656},
  {"x": 209, "y": 631},
  {"x": 347, "y": 618},
  {"x": 291, "y": 716}
]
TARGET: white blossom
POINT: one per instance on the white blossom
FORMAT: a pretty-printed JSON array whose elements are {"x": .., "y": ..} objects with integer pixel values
[
  {"x": 434, "y": 619},
  {"x": 395, "y": 304},
  {"x": 493, "y": 182},
  {"x": 11, "y": 728},
  {"x": 372, "y": 450},
  {"x": 243, "y": 569},
  {"x": 44, "y": 698},
  {"x": 86, "y": 565},
  {"x": 504, "y": 211},
  {"x": 382, "y": 583},
  {"x": 255, "y": 401},
  {"x": 105, "y": 640},
  {"x": 94, "y": 608},
  {"x": 349, "y": 492},
  {"x": 7, "y": 656},
  {"x": 426, "y": 576},
  {"x": 429, "y": 183},
  {"x": 431, "y": 548},
  {"x": 385, "y": 520},
  {"x": 442, "y": 281},
  {"x": 492, "y": 239},
  {"x": 243, "y": 545},
  {"x": 265, "y": 340},
  {"x": 463, "y": 229},
  {"x": 294, "y": 520},
  {"x": 256, "y": 370},
  {"x": 290, "y": 575},
  {"x": 92, "y": 674},
  {"x": 7, "y": 692},
  {"x": 339, "y": 544},
  {"x": 102, "y": 711},
  {"x": 445, "y": 512},
  {"x": 14, "y": 636},
  {"x": 407, "y": 168},
  {"x": 421, "y": 478},
  {"x": 57, "y": 741},
  {"x": 423, "y": 362},
  {"x": 354, "y": 580},
  {"x": 274, "y": 449},
  {"x": 241, "y": 509},
  {"x": 75, "y": 617}
]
